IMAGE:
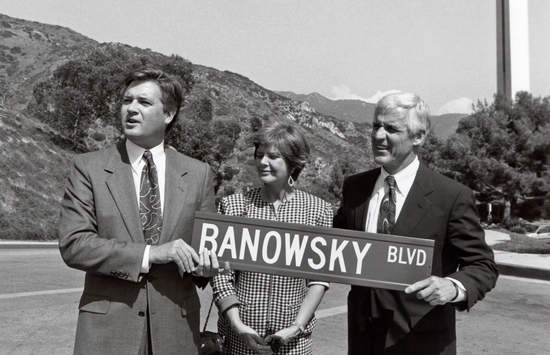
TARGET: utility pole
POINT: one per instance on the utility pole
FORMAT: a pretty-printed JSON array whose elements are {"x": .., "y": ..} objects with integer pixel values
[{"x": 512, "y": 47}]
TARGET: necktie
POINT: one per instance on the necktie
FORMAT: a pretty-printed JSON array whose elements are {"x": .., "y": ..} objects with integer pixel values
[
  {"x": 149, "y": 201},
  {"x": 386, "y": 217}
]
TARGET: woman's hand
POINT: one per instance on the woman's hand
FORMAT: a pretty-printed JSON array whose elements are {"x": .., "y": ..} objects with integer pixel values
[
  {"x": 285, "y": 335},
  {"x": 252, "y": 339}
]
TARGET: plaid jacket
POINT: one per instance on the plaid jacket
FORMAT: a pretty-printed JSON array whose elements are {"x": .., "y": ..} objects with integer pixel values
[{"x": 266, "y": 302}]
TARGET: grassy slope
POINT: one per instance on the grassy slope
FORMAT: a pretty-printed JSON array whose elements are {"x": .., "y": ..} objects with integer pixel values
[{"x": 520, "y": 243}]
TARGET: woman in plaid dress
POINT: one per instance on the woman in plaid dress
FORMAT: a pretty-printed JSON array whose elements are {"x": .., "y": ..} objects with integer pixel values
[{"x": 260, "y": 312}]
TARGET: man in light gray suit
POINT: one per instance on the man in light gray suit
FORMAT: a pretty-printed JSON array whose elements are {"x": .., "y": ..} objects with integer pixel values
[{"x": 126, "y": 220}]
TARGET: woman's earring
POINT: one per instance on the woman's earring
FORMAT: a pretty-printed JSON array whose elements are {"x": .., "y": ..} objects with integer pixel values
[{"x": 290, "y": 181}]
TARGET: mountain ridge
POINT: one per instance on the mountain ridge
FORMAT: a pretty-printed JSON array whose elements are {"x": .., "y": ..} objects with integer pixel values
[
  {"x": 346, "y": 109},
  {"x": 359, "y": 111}
]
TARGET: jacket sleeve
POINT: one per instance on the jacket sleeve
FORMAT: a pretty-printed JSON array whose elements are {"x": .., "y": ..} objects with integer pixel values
[
  {"x": 80, "y": 245},
  {"x": 477, "y": 270},
  {"x": 207, "y": 205},
  {"x": 223, "y": 285}
]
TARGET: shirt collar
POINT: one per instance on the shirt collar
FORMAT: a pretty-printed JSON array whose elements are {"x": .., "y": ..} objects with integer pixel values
[
  {"x": 135, "y": 153},
  {"x": 404, "y": 178}
]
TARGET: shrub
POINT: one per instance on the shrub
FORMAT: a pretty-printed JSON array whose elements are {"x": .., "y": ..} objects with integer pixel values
[{"x": 84, "y": 91}]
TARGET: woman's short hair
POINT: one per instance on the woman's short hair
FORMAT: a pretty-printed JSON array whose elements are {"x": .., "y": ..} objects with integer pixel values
[
  {"x": 289, "y": 140},
  {"x": 407, "y": 105},
  {"x": 170, "y": 88}
]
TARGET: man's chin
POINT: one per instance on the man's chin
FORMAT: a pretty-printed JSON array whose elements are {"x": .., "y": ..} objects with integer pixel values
[
  {"x": 132, "y": 133},
  {"x": 381, "y": 160},
  {"x": 135, "y": 138}
]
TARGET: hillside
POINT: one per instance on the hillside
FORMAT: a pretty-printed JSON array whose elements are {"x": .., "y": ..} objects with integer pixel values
[
  {"x": 29, "y": 51},
  {"x": 236, "y": 96},
  {"x": 31, "y": 178},
  {"x": 35, "y": 160}
]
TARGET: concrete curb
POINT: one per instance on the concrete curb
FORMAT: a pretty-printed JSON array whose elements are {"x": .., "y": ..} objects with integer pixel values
[
  {"x": 523, "y": 271},
  {"x": 504, "y": 268},
  {"x": 16, "y": 244}
]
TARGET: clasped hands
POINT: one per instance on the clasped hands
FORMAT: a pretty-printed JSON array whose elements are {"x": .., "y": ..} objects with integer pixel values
[
  {"x": 271, "y": 343},
  {"x": 203, "y": 264}
]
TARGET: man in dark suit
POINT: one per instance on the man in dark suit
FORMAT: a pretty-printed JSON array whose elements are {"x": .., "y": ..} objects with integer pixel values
[
  {"x": 405, "y": 198},
  {"x": 126, "y": 220}
]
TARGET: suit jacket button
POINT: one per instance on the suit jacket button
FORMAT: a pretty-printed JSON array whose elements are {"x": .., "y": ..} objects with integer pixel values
[{"x": 141, "y": 313}]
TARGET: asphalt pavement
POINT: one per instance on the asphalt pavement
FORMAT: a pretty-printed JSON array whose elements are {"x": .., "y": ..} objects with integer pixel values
[{"x": 39, "y": 297}]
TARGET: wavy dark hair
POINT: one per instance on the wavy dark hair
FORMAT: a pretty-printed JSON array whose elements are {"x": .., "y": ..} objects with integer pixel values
[{"x": 170, "y": 88}]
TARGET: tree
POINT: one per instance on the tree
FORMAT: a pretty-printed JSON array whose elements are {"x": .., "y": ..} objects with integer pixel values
[
  {"x": 201, "y": 109},
  {"x": 342, "y": 168},
  {"x": 210, "y": 140},
  {"x": 501, "y": 151},
  {"x": 85, "y": 91},
  {"x": 255, "y": 124}
]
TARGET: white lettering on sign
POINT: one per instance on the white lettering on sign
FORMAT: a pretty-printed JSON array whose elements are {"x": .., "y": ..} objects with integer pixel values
[
  {"x": 392, "y": 254},
  {"x": 295, "y": 250},
  {"x": 421, "y": 257},
  {"x": 228, "y": 243},
  {"x": 406, "y": 255},
  {"x": 265, "y": 247},
  {"x": 319, "y": 252},
  {"x": 207, "y": 237},
  {"x": 360, "y": 254},
  {"x": 247, "y": 243},
  {"x": 336, "y": 253}
]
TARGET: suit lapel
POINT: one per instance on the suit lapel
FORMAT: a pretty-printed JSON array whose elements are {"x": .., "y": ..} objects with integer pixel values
[
  {"x": 175, "y": 189},
  {"x": 417, "y": 203},
  {"x": 366, "y": 190},
  {"x": 121, "y": 186}
]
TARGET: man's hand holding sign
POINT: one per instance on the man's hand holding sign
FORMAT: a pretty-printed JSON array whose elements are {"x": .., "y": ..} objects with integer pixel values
[
  {"x": 434, "y": 290},
  {"x": 203, "y": 264}
]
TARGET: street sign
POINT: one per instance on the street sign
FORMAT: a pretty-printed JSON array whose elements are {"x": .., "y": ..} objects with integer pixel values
[{"x": 315, "y": 253}]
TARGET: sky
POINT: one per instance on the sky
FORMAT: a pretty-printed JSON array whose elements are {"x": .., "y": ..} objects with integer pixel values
[{"x": 443, "y": 50}]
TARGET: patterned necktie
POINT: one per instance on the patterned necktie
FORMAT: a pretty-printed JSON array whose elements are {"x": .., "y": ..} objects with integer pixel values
[
  {"x": 386, "y": 217},
  {"x": 149, "y": 201}
]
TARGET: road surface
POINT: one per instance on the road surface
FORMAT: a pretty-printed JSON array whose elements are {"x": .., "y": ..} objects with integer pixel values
[{"x": 39, "y": 297}]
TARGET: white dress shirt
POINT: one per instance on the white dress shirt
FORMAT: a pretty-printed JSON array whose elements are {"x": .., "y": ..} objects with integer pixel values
[
  {"x": 404, "y": 180},
  {"x": 135, "y": 155}
]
